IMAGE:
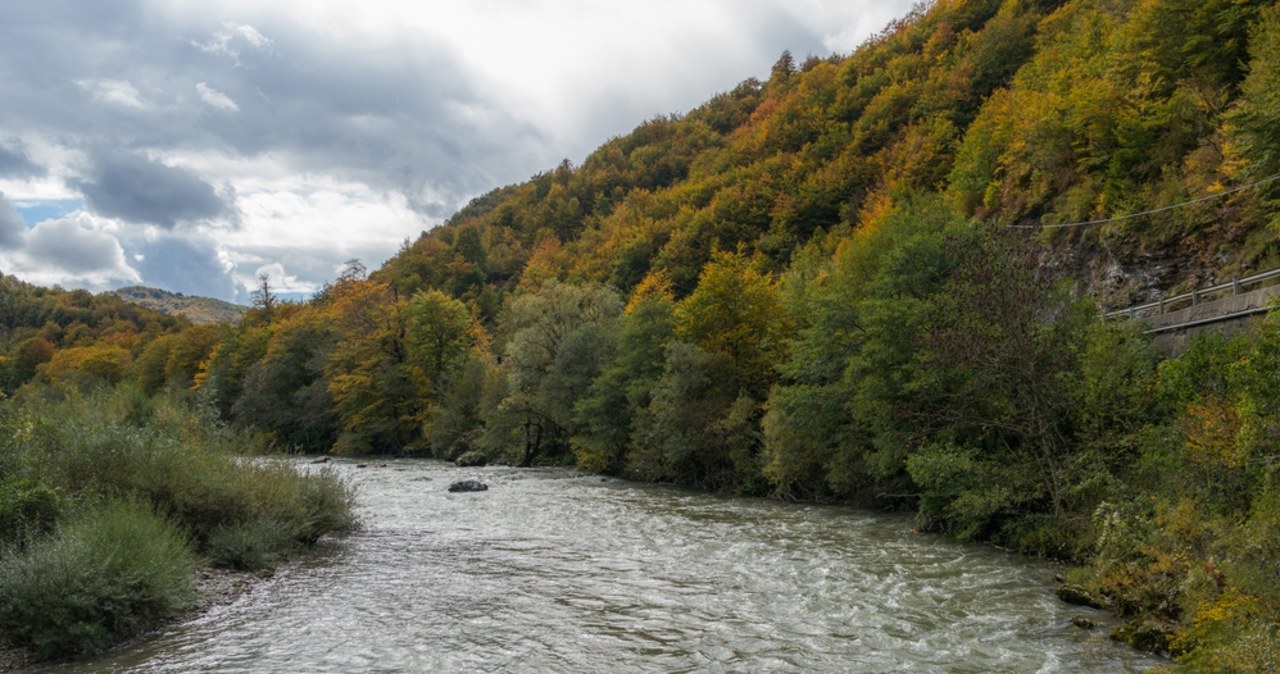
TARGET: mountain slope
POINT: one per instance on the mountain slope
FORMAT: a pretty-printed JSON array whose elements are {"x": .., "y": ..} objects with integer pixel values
[
  {"x": 1022, "y": 113},
  {"x": 198, "y": 310}
]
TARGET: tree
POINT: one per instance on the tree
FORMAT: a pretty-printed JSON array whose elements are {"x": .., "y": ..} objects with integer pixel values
[
  {"x": 697, "y": 430},
  {"x": 735, "y": 311},
  {"x": 998, "y": 372},
  {"x": 367, "y": 374},
  {"x": 285, "y": 393},
  {"x": 438, "y": 339},
  {"x": 264, "y": 299},
  {"x": 605, "y": 415},
  {"x": 104, "y": 363},
  {"x": 784, "y": 67},
  {"x": 561, "y": 336},
  {"x": 834, "y": 423}
]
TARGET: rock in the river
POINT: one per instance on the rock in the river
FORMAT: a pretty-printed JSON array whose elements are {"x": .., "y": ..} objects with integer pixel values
[
  {"x": 1082, "y": 622},
  {"x": 1079, "y": 596},
  {"x": 323, "y": 459},
  {"x": 468, "y": 485},
  {"x": 471, "y": 459}
]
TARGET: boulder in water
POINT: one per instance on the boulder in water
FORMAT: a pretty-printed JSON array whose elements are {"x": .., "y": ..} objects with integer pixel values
[
  {"x": 468, "y": 485},
  {"x": 471, "y": 459},
  {"x": 1079, "y": 596}
]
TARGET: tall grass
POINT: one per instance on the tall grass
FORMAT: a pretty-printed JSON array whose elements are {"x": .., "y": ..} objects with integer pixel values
[{"x": 78, "y": 471}]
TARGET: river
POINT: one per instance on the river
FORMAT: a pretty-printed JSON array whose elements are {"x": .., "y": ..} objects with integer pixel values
[{"x": 554, "y": 571}]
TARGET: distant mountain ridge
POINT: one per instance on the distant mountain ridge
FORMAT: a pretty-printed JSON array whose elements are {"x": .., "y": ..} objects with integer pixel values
[{"x": 199, "y": 310}]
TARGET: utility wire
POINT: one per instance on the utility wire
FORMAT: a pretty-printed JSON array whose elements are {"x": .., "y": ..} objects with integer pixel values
[{"x": 1162, "y": 209}]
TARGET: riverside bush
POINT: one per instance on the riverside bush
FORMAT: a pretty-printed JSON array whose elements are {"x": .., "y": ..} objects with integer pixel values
[
  {"x": 108, "y": 502},
  {"x": 184, "y": 464},
  {"x": 109, "y": 573}
]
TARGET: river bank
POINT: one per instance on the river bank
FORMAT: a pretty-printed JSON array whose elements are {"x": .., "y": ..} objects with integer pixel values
[{"x": 214, "y": 588}]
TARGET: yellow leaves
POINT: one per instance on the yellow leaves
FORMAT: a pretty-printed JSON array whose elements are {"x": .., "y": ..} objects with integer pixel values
[
  {"x": 547, "y": 262},
  {"x": 594, "y": 459},
  {"x": 655, "y": 285},
  {"x": 735, "y": 311},
  {"x": 875, "y": 208},
  {"x": 1234, "y": 632},
  {"x": 105, "y": 363},
  {"x": 1211, "y": 427}
]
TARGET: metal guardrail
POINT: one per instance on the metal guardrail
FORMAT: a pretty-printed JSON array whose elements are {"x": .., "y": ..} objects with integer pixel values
[{"x": 1195, "y": 296}]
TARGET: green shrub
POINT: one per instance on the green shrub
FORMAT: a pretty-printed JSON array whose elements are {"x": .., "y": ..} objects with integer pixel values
[
  {"x": 27, "y": 508},
  {"x": 110, "y": 573},
  {"x": 251, "y": 545},
  {"x": 186, "y": 465},
  {"x": 176, "y": 488},
  {"x": 287, "y": 512}
]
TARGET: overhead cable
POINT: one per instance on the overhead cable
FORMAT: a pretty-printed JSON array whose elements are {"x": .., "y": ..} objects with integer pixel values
[{"x": 1086, "y": 223}]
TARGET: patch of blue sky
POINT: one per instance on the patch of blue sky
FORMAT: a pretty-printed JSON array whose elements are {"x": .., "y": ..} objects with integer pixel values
[
  {"x": 294, "y": 297},
  {"x": 34, "y": 212}
]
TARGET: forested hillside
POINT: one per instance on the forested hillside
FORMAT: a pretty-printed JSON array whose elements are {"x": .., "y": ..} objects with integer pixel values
[
  {"x": 871, "y": 278},
  {"x": 198, "y": 310}
]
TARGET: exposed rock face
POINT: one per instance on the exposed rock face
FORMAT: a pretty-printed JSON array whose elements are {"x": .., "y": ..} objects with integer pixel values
[
  {"x": 468, "y": 485},
  {"x": 472, "y": 459}
]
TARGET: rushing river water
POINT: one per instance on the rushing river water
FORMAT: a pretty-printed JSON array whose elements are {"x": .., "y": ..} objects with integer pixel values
[{"x": 551, "y": 571}]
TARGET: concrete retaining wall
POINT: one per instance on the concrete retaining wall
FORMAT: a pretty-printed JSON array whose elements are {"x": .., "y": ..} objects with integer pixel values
[{"x": 1174, "y": 341}]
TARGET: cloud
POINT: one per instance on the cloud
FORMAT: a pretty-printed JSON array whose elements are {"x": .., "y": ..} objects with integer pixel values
[
  {"x": 185, "y": 263},
  {"x": 16, "y": 163},
  {"x": 216, "y": 98},
  {"x": 134, "y": 188},
  {"x": 74, "y": 247},
  {"x": 228, "y": 40},
  {"x": 77, "y": 251},
  {"x": 113, "y": 92},
  {"x": 12, "y": 226}
]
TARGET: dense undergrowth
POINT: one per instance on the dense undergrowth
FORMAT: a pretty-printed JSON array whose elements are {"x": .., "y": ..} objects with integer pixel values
[{"x": 110, "y": 500}]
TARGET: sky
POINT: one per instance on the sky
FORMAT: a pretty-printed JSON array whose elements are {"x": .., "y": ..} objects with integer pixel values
[{"x": 193, "y": 145}]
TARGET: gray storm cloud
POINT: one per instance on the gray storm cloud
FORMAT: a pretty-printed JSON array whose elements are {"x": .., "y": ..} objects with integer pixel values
[
  {"x": 134, "y": 188},
  {"x": 11, "y": 225},
  {"x": 77, "y": 249},
  {"x": 185, "y": 265},
  {"x": 16, "y": 163}
]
